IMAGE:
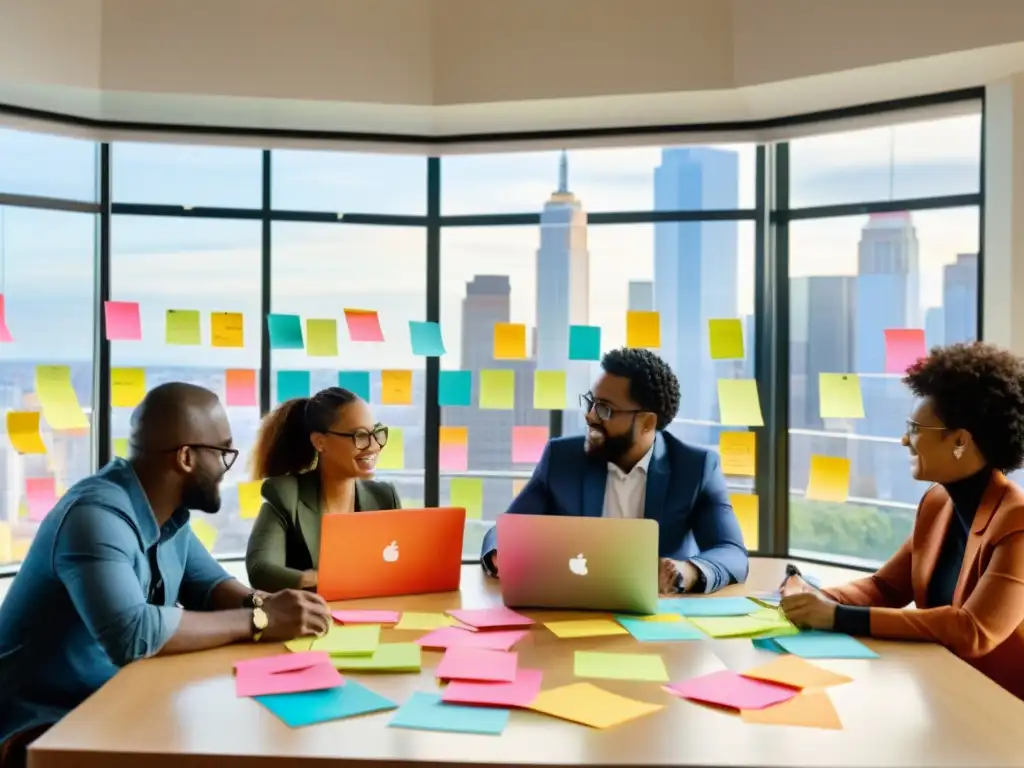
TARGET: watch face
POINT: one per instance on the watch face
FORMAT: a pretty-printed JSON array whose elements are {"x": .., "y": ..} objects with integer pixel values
[{"x": 259, "y": 619}]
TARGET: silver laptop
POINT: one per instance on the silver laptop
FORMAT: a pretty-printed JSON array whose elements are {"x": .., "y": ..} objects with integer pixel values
[{"x": 589, "y": 563}]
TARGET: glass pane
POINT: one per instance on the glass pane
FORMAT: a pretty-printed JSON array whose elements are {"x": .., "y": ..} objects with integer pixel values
[
  {"x": 852, "y": 279},
  {"x": 47, "y": 166},
  {"x": 154, "y": 261},
  {"x": 925, "y": 159},
  {"x": 349, "y": 182},
  {"x": 634, "y": 179},
  {"x": 47, "y": 279}
]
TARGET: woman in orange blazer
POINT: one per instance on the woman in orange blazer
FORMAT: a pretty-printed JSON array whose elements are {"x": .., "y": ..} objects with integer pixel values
[{"x": 963, "y": 564}]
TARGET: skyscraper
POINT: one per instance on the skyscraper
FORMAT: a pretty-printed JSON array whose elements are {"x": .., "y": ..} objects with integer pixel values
[
  {"x": 641, "y": 296},
  {"x": 960, "y": 299}
]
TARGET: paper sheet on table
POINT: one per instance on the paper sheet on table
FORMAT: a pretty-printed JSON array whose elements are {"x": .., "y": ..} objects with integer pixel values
[
  {"x": 796, "y": 673},
  {"x": 584, "y": 342},
  {"x": 739, "y": 453},
  {"x": 396, "y": 387},
  {"x": 392, "y": 455},
  {"x": 707, "y": 606},
  {"x": 745, "y": 506},
  {"x": 649, "y": 667},
  {"x": 282, "y": 662},
  {"x": 455, "y": 389},
  {"x": 183, "y": 327},
  {"x": 123, "y": 322},
  {"x": 643, "y": 329},
  {"x": 811, "y": 709},
  {"x": 255, "y": 682},
  {"x": 481, "y": 665},
  {"x": 521, "y": 692},
  {"x": 357, "y": 640},
  {"x": 58, "y": 399},
  {"x": 321, "y": 337},
  {"x": 727, "y": 689},
  {"x": 646, "y": 631},
  {"x": 839, "y": 396},
  {"x": 227, "y": 329},
  {"x": 738, "y": 403},
  {"x": 497, "y": 390},
  {"x": 424, "y": 621},
  {"x": 389, "y": 657},
  {"x": 726, "y": 339},
  {"x": 450, "y": 637},
  {"x": 825, "y": 645},
  {"x": 829, "y": 479},
  {"x": 127, "y": 387},
  {"x": 363, "y": 325},
  {"x": 549, "y": 390},
  {"x": 309, "y": 707},
  {"x": 240, "y": 387},
  {"x": 356, "y": 382},
  {"x": 366, "y": 617},
  {"x": 509, "y": 341},
  {"x": 426, "y": 712},
  {"x": 23, "y": 431},
  {"x": 425, "y": 337},
  {"x": 589, "y": 705},
  {"x": 490, "y": 618},
  {"x": 738, "y": 626},
  {"x": 585, "y": 628}
]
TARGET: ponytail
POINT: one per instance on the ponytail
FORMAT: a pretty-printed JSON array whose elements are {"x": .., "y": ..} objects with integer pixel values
[{"x": 282, "y": 444}]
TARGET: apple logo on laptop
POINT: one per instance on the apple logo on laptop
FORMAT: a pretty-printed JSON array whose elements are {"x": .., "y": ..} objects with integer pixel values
[
  {"x": 390, "y": 553},
  {"x": 578, "y": 565}
]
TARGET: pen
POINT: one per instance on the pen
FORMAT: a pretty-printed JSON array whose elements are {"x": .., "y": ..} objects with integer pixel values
[{"x": 791, "y": 571}]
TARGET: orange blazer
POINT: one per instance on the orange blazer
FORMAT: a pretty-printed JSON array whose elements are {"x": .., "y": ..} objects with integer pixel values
[{"x": 985, "y": 623}]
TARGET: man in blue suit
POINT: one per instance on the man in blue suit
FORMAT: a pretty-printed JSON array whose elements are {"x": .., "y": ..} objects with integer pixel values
[{"x": 627, "y": 466}]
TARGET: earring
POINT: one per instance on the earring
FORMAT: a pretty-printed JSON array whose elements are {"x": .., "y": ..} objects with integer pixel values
[{"x": 958, "y": 452}]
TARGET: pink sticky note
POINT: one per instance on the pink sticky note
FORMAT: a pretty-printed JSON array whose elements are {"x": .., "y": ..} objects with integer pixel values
[
  {"x": 366, "y": 617},
  {"x": 479, "y": 664},
  {"x": 41, "y": 496},
  {"x": 727, "y": 689},
  {"x": 903, "y": 348},
  {"x": 454, "y": 456},
  {"x": 528, "y": 444},
  {"x": 240, "y": 386},
  {"x": 283, "y": 662},
  {"x": 5, "y": 335},
  {"x": 491, "y": 618},
  {"x": 123, "y": 323},
  {"x": 451, "y": 637},
  {"x": 519, "y": 693},
  {"x": 256, "y": 682},
  {"x": 363, "y": 325}
]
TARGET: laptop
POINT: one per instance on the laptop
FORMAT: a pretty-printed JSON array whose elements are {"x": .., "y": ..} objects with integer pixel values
[
  {"x": 589, "y": 563},
  {"x": 393, "y": 552}
]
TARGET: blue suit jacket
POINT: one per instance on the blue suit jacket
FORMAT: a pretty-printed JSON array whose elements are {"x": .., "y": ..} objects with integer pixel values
[{"x": 686, "y": 494}]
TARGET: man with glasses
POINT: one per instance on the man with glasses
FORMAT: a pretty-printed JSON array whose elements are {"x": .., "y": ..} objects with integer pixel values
[
  {"x": 628, "y": 466},
  {"x": 116, "y": 574}
]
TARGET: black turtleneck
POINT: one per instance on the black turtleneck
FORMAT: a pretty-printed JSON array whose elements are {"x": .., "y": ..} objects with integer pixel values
[{"x": 966, "y": 497}]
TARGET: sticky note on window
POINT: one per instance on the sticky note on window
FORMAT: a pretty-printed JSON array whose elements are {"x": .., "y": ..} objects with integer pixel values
[
  {"x": 292, "y": 384},
  {"x": 392, "y": 455},
  {"x": 467, "y": 492},
  {"x": 497, "y": 390},
  {"x": 549, "y": 390},
  {"x": 426, "y": 338},
  {"x": 204, "y": 531},
  {"x": 396, "y": 387},
  {"x": 903, "y": 348},
  {"x": 57, "y": 396},
  {"x": 23, "y": 431},
  {"x": 839, "y": 396},
  {"x": 363, "y": 325},
  {"x": 240, "y": 387},
  {"x": 5, "y": 334},
  {"x": 829, "y": 479},
  {"x": 321, "y": 337},
  {"x": 455, "y": 388},
  {"x": 285, "y": 331},
  {"x": 453, "y": 445},
  {"x": 183, "y": 327},
  {"x": 120, "y": 447},
  {"x": 356, "y": 382},
  {"x": 40, "y": 495},
  {"x": 643, "y": 330},
  {"x": 738, "y": 451},
  {"x": 738, "y": 403},
  {"x": 584, "y": 342},
  {"x": 509, "y": 341},
  {"x": 227, "y": 329},
  {"x": 250, "y": 499},
  {"x": 528, "y": 444},
  {"x": 745, "y": 506},
  {"x": 123, "y": 323},
  {"x": 127, "y": 387},
  {"x": 726, "y": 336}
]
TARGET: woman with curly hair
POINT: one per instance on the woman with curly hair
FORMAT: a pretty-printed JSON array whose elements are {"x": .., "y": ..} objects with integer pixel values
[{"x": 963, "y": 564}]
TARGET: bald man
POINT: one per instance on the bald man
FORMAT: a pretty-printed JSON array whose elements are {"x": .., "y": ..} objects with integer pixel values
[{"x": 115, "y": 573}]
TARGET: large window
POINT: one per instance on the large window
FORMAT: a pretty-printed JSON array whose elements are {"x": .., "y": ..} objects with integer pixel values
[{"x": 40, "y": 165}]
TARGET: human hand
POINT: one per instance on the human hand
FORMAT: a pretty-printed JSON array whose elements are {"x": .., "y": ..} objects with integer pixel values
[
  {"x": 669, "y": 572},
  {"x": 494, "y": 562},
  {"x": 308, "y": 580},
  {"x": 810, "y": 610},
  {"x": 293, "y": 613},
  {"x": 796, "y": 585}
]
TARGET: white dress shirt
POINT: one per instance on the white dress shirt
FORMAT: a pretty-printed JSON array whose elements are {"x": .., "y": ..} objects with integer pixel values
[{"x": 625, "y": 493}]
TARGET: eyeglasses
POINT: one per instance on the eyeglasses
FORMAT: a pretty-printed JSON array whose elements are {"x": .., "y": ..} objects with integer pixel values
[
  {"x": 361, "y": 437},
  {"x": 227, "y": 455},
  {"x": 913, "y": 428},
  {"x": 604, "y": 411}
]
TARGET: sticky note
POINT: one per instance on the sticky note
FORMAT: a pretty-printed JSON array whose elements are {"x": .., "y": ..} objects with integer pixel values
[
  {"x": 707, "y": 606},
  {"x": 426, "y": 712},
  {"x": 366, "y": 617},
  {"x": 517, "y": 487},
  {"x": 58, "y": 399},
  {"x": 203, "y": 531},
  {"x": 23, "y": 431},
  {"x": 321, "y": 337},
  {"x": 389, "y": 657},
  {"x": 300, "y": 644},
  {"x": 455, "y": 388},
  {"x": 41, "y": 495},
  {"x": 453, "y": 447},
  {"x": 392, "y": 455},
  {"x": 120, "y": 447},
  {"x": 509, "y": 341},
  {"x": 659, "y": 631},
  {"x": 727, "y": 689},
  {"x": 528, "y": 444},
  {"x": 643, "y": 329},
  {"x": 811, "y": 709},
  {"x": 183, "y": 327},
  {"x": 573, "y": 628},
  {"x": 426, "y": 338},
  {"x": 647, "y": 667},
  {"x": 829, "y": 479},
  {"x": 490, "y": 618},
  {"x": 796, "y": 673},
  {"x": 127, "y": 387},
  {"x": 5, "y": 333},
  {"x": 479, "y": 664},
  {"x": 310, "y": 707},
  {"x": 5, "y": 543},
  {"x": 825, "y": 645},
  {"x": 589, "y": 705},
  {"x": 468, "y": 493},
  {"x": 726, "y": 339},
  {"x": 745, "y": 507},
  {"x": 292, "y": 384},
  {"x": 497, "y": 390},
  {"x": 396, "y": 387},
  {"x": 240, "y": 387},
  {"x": 735, "y": 626},
  {"x": 549, "y": 390},
  {"x": 357, "y": 640},
  {"x": 356, "y": 382},
  {"x": 285, "y": 331},
  {"x": 738, "y": 403},
  {"x": 584, "y": 342},
  {"x": 250, "y": 499},
  {"x": 448, "y": 637},
  {"x": 903, "y": 348},
  {"x": 123, "y": 323},
  {"x": 282, "y": 662},
  {"x": 839, "y": 396},
  {"x": 363, "y": 325},
  {"x": 520, "y": 692},
  {"x": 413, "y": 620},
  {"x": 227, "y": 329},
  {"x": 256, "y": 682},
  {"x": 739, "y": 453}
]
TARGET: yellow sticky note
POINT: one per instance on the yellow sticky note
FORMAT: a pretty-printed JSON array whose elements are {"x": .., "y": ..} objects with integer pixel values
[
  {"x": 396, "y": 387},
  {"x": 586, "y": 704},
  {"x": 745, "y": 505},
  {"x": 839, "y": 396},
  {"x": 183, "y": 327},
  {"x": 354, "y": 640},
  {"x": 509, "y": 341},
  {"x": 227, "y": 329},
  {"x": 19, "y": 549},
  {"x": 203, "y": 531},
  {"x": 726, "y": 338},
  {"x": 23, "y": 431},
  {"x": 58, "y": 399},
  {"x": 549, "y": 390},
  {"x": 300, "y": 644},
  {"x": 389, "y": 657},
  {"x": 738, "y": 403},
  {"x": 322, "y": 338},
  {"x": 739, "y": 452},
  {"x": 734, "y": 626},
  {"x": 658, "y": 618},
  {"x": 250, "y": 499},
  {"x": 643, "y": 329},
  {"x": 421, "y": 622},
  {"x": 127, "y": 387},
  {"x": 5, "y": 543},
  {"x": 467, "y": 492},
  {"x": 585, "y": 628},
  {"x": 497, "y": 390},
  {"x": 392, "y": 455},
  {"x": 121, "y": 447},
  {"x": 829, "y": 479}
]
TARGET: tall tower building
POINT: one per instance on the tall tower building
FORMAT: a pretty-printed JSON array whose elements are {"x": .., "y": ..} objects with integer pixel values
[
  {"x": 641, "y": 296},
  {"x": 960, "y": 299}
]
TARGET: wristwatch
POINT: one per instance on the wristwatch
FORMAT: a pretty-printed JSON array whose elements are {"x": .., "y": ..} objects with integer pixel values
[{"x": 259, "y": 618}]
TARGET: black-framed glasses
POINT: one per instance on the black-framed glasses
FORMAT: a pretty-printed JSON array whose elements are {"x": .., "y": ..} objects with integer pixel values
[
  {"x": 604, "y": 411},
  {"x": 914, "y": 428},
  {"x": 361, "y": 437},
  {"x": 227, "y": 455}
]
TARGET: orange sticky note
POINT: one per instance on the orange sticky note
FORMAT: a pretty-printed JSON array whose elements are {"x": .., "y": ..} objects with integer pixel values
[
  {"x": 240, "y": 386},
  {"x": 528, "y": 444},
  {"x": 363, "y": 325},
  {"x": 829, "y": 479},
  {"x": 453, "y": 446},
  {"x": 796, "y": 672},
  {"x": 396, "y": 387},
  {"x": 745, "y": 506},
  {"x": 23, "y": 431},
  {"x": 738, "y": 403},
  {"x": 250, "y": 499},
  {"x": 811, "y": 709},
  {"x": 739, "y": 452},
  {"x": 227, "y": 329},
  {"x": 509, "y": 341},
  {"x": 643, "y": 329}
]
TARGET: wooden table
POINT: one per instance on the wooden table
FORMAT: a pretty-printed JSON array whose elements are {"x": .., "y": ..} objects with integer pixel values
[{"x": 917, "y": 705}]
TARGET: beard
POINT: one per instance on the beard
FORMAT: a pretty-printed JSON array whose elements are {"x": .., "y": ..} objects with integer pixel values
[
  {"x": 203, "y": 494},
  {"x": 611, "y": 448}
]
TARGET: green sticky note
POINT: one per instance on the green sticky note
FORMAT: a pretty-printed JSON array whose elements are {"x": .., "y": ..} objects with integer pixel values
[
  {"x": 584, "y": 342},
  {"x": 741, "y": 626},
  {"x": 648, "y": 667},
  {"x": 549, "y": 390},
  {"x": 389, "y": 657},
  {"x": 300, "y": 644},
  {"x": 121, "y": 447},
  {"x": 321, "y": 338},
  {"x": 467, "y": 492},
  {"x": 726, "y": 337},
  {"x": 392, "y": 455},
  {"x": 738, "y": 403},
  {"x": 353, "y": 640},
  {"x": 839, "y": 396},
  {"x": 497, "y": 390},
  {"x": 183, "y": 327},
  {"x": 285, "y": 331}
]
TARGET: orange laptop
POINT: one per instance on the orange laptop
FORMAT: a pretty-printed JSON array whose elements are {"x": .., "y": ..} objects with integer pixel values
[{"x": 394, "y": 552}]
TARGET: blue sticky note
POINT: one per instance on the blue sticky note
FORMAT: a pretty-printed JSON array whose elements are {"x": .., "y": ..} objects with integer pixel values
[
  {"x": 768, "y": 644},
  {"x": 455, "y": 388},
  {"x": 285, "y": 331},
  {"x": 825, "y": 645},
  {"x": 426, "y": 338},
  {"x": 309, "y": 707},
  {"x": 659, "y": 631},
  {"x": 356, "y": 382},
  {"x": 292, "y": 384},
  {"x": 707, "y": 606},
  {"x": 426, "y": 712},
  {"x": 584, "y": 342}
]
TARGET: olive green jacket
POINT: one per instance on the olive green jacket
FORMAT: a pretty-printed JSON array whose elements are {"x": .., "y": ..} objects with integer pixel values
[{"x": 285, "y": 539}]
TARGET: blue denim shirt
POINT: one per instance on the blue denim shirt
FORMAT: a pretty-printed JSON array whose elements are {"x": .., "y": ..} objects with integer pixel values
[{"x": 78, "y": 610}]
